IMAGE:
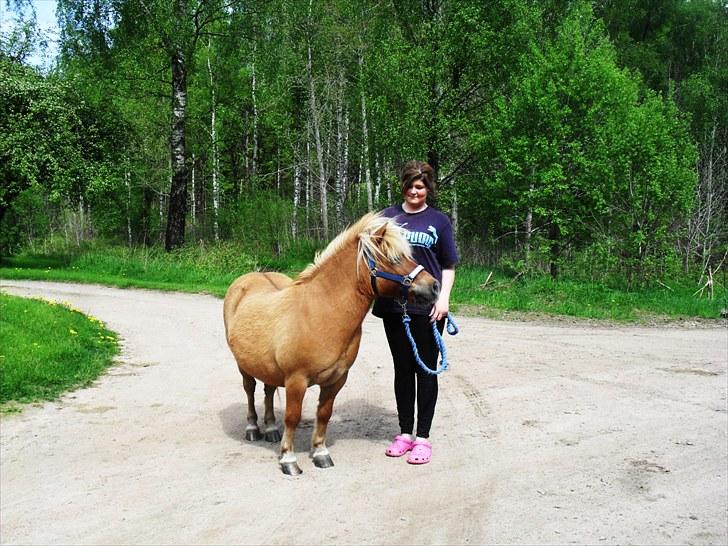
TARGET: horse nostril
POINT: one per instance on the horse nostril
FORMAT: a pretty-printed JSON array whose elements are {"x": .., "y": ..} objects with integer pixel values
[{"x": 436, "y": 288}]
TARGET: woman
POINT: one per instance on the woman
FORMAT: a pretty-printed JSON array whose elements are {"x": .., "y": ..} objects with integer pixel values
[{"x": 430, "y": 233}]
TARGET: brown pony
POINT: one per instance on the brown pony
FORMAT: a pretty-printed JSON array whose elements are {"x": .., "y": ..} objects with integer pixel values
[{"x": 297, "y": 333}]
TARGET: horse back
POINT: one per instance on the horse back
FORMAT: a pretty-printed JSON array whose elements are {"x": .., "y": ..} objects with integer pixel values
[{"x": 251, "y": 283}]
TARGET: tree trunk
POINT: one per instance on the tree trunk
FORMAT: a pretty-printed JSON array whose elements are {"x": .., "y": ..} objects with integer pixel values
[
  {"x": 193, "y": 194},
  {"x": 319, "y": 149},
  {"x": 341, "y": 155},
  {"x": 215, "y": 154},
  {"x": 177, "y": 207},
  {"x": 455, "y": 215},
  {"x": 377, "y": 179},
  {"x": 127, "y": 179},
  {"x": 365, "y": 145},
  {"x": 529, "y": 226},
  {"x": 554, "y": 249},
  {"x": 296, "y": 191},
  {"x": 254, "y": 166},
  {"x": 308, "y": 182},
  {"x": 278, "y": 170}
]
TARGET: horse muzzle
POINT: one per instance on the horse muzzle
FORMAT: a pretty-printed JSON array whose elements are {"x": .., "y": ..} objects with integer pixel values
[{"x": 426, "y": 293}]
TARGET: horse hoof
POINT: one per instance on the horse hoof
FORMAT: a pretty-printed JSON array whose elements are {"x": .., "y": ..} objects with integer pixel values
[
  {"x": 323, "y": 461},
  {"x": 291, "y": 469},
  {"x": 273, "y": 435},
  {"x": 253, "y": 435}
]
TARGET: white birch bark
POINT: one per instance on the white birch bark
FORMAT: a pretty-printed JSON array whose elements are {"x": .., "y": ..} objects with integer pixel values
[
  {"x": 340, "y": 156},
  {"x": 247, "y": 154},
  {"x": 315, "y": 119},
  {"x": 308, "y": 180},
  {"x": 345, "y": 169},
  {"x": 278, "y": 169},
  {"x": 388, "y": 170},
  {"x": 455, "y": 215},
  {"x": 365, "y": 141},
  {"x": 296, "y": 192},
  {"x": 127, "y": 180},
  {"x": 215, "y": 155},
  {"x": 377, "y": 180},
  {"x": 254, "y": 166},
  {"x": 194, "y": 193}
]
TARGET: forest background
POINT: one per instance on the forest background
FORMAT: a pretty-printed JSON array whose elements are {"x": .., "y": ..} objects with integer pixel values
[{"x": 572, "y": 139}]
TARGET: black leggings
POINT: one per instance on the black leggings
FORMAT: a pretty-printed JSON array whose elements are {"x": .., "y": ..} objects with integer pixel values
[{"x": 410, "y": 382}]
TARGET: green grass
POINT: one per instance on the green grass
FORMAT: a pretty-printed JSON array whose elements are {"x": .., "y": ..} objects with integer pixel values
[
  {"x": 47, "y": 349},
  {"x": 191, "y": 269},
  {"x": 212, "y": 268},
  {"x": 582, "y": 299}
]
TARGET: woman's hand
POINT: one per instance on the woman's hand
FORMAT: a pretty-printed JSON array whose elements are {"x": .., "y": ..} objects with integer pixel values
[
  {"x": 440, "y": 309},
  {"x": 442, "y": 305}
]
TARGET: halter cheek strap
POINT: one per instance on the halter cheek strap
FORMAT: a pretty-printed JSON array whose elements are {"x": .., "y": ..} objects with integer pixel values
[{"x": 404, "y": 280}]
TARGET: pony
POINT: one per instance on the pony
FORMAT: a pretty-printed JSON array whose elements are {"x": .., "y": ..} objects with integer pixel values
[{"x": 295, "y": 333}]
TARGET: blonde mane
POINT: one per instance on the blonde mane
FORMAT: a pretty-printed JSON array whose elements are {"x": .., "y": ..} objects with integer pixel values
[{"x": 378, "y": 236}]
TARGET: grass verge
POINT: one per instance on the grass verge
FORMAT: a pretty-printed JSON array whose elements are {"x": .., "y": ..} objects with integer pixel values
[
  {"x": 47, "y": 349},
  {"x": 211, "y": 269},
  {"x": 583, "y": 299}
]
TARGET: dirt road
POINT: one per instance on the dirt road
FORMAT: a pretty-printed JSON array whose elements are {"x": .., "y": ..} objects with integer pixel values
[{"x": 544, "y": 434}]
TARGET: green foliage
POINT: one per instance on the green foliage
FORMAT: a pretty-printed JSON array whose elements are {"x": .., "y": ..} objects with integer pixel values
[
  {"x": 261, "y": 223},
  {"x": 53, "y": 150},
  {"x": 39, "y": 134},
  {"x": 558, "y": 129},
  {"x": 26, "y": 221},
  {"x": 578, "y": 147},
  {"x": 47, "y": 349}
]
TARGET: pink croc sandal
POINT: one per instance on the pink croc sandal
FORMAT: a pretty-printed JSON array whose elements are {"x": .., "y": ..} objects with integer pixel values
[
  {"x": 399, "y": 446},
  {"x": 421, "y": 452}
]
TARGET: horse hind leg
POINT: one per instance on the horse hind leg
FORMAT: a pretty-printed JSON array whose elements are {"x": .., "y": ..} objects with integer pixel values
[
  {"x": 319, "y": 451},
  {"x": 272, "y": 432},
  {"x": 252, "y": 432}
]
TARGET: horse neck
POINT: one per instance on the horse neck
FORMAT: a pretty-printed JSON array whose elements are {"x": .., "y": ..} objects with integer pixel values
[{"x": 341, "y": 283}]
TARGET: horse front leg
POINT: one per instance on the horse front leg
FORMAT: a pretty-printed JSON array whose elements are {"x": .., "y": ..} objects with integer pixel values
[
  {"x": 319, "y": 452},
  {"x": 272, "y": 434},
  {"x": 295, "y": 390},
  {"x": 252, "y": 432}
]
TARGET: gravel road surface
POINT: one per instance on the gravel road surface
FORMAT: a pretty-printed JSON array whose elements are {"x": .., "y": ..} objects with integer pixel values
[{"x": 545, "y": 433}]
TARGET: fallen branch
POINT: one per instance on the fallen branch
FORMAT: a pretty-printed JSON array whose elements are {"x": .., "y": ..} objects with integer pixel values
[
  {"x": 482, "y": 286},
  {"x": 663, "y": 284},
  {"x": 708, "y": 284}
]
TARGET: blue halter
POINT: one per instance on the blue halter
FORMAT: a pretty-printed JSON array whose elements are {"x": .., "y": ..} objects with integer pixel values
[{"x": 406, "y": 282}]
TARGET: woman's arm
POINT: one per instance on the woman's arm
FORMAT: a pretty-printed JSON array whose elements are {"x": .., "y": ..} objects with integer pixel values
[{"x": 442, "y": 305}]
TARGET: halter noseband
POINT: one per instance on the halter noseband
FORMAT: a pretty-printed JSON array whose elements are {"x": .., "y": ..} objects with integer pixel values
[{"x": 404, "y": 280}]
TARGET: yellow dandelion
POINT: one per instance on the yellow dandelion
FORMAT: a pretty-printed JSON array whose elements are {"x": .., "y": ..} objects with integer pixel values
[{"x": 73, "y": 332}]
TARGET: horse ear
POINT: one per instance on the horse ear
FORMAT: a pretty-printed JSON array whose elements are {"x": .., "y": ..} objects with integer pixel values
[
  {"x": 374, "y": 238},
  {"x": 380, "y": 231}
]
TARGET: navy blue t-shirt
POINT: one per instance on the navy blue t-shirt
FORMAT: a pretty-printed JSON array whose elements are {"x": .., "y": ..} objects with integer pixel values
[{"x": 433, "y": 245}]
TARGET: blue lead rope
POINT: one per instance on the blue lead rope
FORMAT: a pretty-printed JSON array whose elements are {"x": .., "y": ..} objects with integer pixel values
[{"x": 452, "y": 329}]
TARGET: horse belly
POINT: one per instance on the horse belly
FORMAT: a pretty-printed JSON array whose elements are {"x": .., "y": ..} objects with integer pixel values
[
  {"x": 253, "y": 359},
  {"x": 331, "y": 372}
]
